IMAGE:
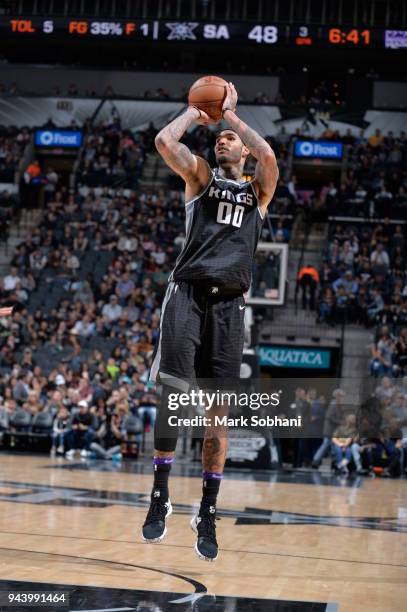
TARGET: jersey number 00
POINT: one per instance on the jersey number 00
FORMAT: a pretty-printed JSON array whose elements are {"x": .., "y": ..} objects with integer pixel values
[{"x": 228, "y": 216}]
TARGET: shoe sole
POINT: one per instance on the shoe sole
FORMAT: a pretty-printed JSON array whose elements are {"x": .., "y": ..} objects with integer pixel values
[
  {"x": 164, "y": 533},
  {"x": 196, "y": 549}
]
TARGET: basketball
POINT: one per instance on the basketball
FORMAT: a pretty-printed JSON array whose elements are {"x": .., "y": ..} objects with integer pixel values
[{"x": 208, "y": 94}]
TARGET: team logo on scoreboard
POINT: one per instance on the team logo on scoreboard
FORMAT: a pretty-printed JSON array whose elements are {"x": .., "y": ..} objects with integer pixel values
[{"x": 181, "y": 30}]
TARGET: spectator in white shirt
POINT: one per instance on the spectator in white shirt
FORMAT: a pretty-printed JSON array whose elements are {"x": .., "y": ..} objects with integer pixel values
[
  {"x": 11, "y": 280},
  {"x": 112, "y": 310},
  {"x": 128, "y": 243},
  {"x": 159, "y": 256},
  {"x": 84, "y": 327},
  {"x": 38, "y": 260},
  {"x": 379, "y": 256}
]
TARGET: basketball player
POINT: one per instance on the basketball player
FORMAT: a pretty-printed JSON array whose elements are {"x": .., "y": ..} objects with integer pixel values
[{"x": 202, "y": 318}]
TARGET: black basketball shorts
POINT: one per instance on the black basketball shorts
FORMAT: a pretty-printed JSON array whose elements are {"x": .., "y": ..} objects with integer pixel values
[{"x": 201, "y": 335}]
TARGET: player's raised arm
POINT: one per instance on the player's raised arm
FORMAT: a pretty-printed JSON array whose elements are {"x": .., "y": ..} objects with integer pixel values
[
  {"x": 266, "y": 175},
  {"x": 193, "y": 169}
]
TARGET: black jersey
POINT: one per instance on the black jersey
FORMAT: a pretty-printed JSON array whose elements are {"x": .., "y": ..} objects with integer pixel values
[{"x": 223, "y": 225}]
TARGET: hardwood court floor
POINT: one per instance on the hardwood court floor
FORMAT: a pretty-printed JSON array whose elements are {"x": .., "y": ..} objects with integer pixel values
[{"x": 279, "y": 540}]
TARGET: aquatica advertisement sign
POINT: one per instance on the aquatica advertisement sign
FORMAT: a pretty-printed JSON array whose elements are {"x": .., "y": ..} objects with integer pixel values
[{"x": 294, "y": 357}]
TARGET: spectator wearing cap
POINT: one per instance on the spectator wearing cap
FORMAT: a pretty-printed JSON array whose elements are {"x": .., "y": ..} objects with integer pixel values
[{"x": 81, "y": 433}]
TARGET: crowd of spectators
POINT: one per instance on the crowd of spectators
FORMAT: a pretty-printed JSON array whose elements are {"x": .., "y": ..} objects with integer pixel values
[
  {"x": 376, "y": 179},
  {"x": 94, "y": 341},
  {"x": 363, "y": 276},
  {"x": 114, "y": 156},
  {"x": 370, "y": 439}
]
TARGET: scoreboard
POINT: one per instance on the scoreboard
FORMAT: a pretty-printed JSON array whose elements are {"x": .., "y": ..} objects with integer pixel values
[{"x": 266, "y": 34}]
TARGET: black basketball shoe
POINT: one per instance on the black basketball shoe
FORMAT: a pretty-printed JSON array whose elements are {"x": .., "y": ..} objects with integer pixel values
[
  {"x": 204, "y": 525},
  {"x": 154, "y": 529}
]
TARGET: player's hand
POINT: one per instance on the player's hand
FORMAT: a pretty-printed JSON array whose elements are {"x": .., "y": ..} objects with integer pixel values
[
  {"x": 203, "y": 118},
  {"x": 6, "y": 312},
  {"x": 230, "y": 101}
]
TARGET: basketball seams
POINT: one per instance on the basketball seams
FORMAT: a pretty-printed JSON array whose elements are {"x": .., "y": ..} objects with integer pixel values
[{"x": 208, "y": 101}]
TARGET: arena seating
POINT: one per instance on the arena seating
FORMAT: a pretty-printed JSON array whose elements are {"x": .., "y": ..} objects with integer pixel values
[
  {"x": 112, "y": 156},
  {"x": 375, "y": 183}
]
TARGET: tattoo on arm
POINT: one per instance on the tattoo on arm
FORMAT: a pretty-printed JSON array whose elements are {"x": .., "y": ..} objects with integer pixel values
[
  {"x": 177, "y": 128},
  {"x": 266, "y": 168},
  {"x": 177, "y": 156},
  {"x": 257, "y": 146}
]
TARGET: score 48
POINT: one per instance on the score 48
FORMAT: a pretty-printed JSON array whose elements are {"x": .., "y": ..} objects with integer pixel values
[{"x": 264, "y": 34}]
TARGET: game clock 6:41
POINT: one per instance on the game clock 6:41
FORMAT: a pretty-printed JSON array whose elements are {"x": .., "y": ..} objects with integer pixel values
[{"x": 355, "y": 36}]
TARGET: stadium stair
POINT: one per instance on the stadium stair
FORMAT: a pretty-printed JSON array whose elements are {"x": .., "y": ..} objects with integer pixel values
[
  {"x": 155, "y": 172},
  {"x": 293, "y": 325}
]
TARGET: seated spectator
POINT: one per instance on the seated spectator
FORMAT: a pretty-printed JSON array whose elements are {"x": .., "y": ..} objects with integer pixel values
[
  {"x": 112, "y": 310},
  {"x": 375, "y": 305},
  {"x": 380, "y": 259},
  {"x": 382, "y": 357},
  {"x": 107, "y": 438},
  {"x": 11, "y": 280},
  {"x": 124, "y": 287},
  {"x": 60, "y": 429},
  {"x": 326, "y": 308},
  {"x": 79, "y": 437},
  {"x": 342, "y": 440},
  {"x": 148, "y": 408},
  {"x": 333, "y": 418},
  {"x": 376, "y": 139},
  {"x": 84, "y": 327}
]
